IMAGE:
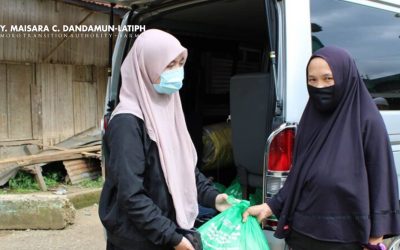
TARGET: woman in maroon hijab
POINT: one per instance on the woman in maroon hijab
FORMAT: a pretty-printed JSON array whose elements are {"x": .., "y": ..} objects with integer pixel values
[{"x": 342, "y": 192}]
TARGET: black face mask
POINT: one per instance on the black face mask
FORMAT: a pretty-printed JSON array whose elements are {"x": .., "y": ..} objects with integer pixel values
[{"x": 322, "y": 98}]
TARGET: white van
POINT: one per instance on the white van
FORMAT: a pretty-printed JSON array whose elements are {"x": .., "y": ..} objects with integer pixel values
[{"x": 265, "y": 45}]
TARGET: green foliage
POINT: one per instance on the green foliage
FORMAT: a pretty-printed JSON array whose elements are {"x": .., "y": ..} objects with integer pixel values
[
  {"x": 23, "y": 183},
  {"x": 52, "y": 179},
  {"x": 96, "y": 183}
]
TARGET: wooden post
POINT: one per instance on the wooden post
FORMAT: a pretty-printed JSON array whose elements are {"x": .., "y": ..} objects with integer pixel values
[{"x": 39, "y": 177}]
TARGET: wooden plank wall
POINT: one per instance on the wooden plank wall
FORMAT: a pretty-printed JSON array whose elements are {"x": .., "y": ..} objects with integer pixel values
[
  {"x": 3, "y": 103},
  {"x": 70, "y": 100},
  {"x": 46, "y": 99},
  {"x": 78, "y": 51},
  {"x": 16, "y": 104},
  {"x": 19, "y": 81},
  {"x": 57, "y": 109},
  {"x": 49, "y": 102},
  {"x": 85, "y": 99}
]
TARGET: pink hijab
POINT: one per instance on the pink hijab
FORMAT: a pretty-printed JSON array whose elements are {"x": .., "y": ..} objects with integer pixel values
[{"x": 163, "y": 117}]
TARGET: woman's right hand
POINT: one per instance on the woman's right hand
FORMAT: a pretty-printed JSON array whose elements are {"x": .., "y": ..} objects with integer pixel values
[
  {"x": 262, "y": 212},
  {"x": 184, "y": 245}
]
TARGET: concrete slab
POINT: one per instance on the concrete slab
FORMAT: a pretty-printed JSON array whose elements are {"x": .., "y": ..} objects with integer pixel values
[
  {"x": 35, "y": 211},
  {"x": 85, "y": 234},
  {"x": 85, "y": 197}
]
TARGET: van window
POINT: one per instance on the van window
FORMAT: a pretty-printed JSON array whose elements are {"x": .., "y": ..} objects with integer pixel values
[{"x": 371, "y": 35}]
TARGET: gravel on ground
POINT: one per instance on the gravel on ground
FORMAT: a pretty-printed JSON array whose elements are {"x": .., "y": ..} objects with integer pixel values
[{"x": 86, "y": 234}]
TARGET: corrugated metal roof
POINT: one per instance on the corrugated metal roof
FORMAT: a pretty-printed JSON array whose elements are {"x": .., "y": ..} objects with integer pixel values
[
  {"x": 82, "y": 169},
  {"x": 102, "y": 6},
  {"x": 118, "y": 4},
  {"x": 127, "y": 3},
  {"x": 121, "y": 3}
]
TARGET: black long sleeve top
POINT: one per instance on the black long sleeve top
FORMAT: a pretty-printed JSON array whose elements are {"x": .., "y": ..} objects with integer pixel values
[{"x": 135, "y": 205}]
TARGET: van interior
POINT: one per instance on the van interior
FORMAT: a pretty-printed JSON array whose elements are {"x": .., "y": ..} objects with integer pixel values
[{"x": 224, "y": 39}]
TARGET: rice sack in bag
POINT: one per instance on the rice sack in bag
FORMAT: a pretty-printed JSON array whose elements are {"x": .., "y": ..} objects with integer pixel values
[{"x": 227, "y": 231}]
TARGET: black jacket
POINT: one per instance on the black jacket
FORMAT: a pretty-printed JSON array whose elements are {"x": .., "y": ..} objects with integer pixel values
[{"x": 135, "y": 206}]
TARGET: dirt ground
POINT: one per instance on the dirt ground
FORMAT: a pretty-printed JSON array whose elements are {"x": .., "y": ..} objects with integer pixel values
[{"x": 86, "y": 234}]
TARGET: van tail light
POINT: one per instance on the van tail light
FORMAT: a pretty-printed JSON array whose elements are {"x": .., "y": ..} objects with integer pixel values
[
  {"x": 104, "y": 122},
  {"x": 281, "y": 151},
  {"x": 278, "y": 162},
  {"x": 273, "y": 223}
]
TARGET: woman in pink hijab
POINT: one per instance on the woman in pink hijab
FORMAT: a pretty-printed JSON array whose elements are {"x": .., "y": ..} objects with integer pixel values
[{"x": 152, "y": 190}]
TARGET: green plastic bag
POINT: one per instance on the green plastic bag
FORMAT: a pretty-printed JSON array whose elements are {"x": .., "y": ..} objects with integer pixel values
[
  {"x": 234, "y": 189},
  {"x": 256, "y": 198},
  {"x": 226, "y": 231},
  {"x": 220, "y": 187}
]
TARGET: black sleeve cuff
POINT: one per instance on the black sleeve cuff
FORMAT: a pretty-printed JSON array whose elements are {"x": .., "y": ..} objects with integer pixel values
[
  {"x": 175, "y": 240},
  {"x": 275, "y": 206},
  {"x": 384, "y": 224},
  {"x": 209, "y": 200}
]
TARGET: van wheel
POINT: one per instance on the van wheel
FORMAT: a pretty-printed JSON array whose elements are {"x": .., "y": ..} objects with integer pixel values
[{"x": 393, "y": 243}]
